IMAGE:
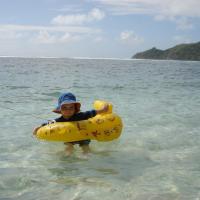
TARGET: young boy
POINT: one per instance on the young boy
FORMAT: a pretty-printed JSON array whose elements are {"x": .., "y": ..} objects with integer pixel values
[{"x": 69, "y": 109}]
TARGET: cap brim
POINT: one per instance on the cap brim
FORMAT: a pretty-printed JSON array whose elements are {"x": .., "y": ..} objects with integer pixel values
[{"x": 78, "y": 105}]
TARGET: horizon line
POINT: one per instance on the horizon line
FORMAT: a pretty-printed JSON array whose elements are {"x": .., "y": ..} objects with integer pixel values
[{"x": 76, "y": 57}]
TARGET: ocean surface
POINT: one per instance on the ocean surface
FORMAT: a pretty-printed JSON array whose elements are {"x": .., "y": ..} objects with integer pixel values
[{"x": 157, "y": 156}]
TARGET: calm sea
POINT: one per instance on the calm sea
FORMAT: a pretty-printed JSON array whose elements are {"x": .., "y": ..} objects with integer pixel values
[{"x": 156, "y": 157}]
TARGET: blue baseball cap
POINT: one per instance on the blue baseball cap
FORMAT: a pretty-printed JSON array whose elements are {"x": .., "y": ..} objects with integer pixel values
[{"x": 67, "y": 98}]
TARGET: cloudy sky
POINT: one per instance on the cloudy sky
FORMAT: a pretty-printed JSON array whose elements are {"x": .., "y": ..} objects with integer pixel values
[{"x": 95, "y": 28}]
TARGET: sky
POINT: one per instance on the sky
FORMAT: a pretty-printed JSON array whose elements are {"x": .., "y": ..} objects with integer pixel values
[{"x": 95, "y": 28}]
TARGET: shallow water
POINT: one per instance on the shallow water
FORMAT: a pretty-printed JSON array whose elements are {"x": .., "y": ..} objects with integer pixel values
[{"x": 156, "y": 157}]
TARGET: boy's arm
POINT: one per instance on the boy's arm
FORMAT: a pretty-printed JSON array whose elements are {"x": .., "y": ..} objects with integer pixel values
[{"x": 89, "y": 114}]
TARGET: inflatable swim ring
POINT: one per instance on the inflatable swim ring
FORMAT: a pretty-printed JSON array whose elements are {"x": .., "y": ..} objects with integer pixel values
[{"x": 102, "y": 127}]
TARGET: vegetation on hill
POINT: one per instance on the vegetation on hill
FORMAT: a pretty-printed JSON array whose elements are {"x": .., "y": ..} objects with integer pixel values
[{"x": 180, "y": 52}]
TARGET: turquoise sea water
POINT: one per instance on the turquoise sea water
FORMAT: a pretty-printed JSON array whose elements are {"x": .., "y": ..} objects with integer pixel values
[{"x": 156, "y": 157}]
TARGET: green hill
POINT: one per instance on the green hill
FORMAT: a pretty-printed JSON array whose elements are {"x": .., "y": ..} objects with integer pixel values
[{"x": 179, "y": 52}]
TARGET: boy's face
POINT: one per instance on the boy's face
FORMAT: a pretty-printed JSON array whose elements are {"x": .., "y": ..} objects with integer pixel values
[{"x": 67, "y": 110}]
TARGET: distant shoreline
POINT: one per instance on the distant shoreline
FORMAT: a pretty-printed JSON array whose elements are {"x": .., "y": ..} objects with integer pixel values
[{"x": 186, "y": 52}]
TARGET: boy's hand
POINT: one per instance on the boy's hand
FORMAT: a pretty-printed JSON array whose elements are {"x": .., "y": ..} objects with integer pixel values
[
  {"x": 35, "y": 130},
  {"x": 103, "y": 110},
  {"x": 51, "y": 121}
]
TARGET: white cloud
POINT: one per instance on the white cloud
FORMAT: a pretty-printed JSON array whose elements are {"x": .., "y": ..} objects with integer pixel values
[
  {"x": 129, "y": 37},
  {"x": 10, "y": 35},
  {"x": 182, "y": 23},
  {"x": 69, "y": 19},
  {"x": 96, "y": 14},
  {"x": 78, "y": 19},
  {"x": 69, "y": 38},
  {"x": 47, "y": 34},
  {"x": 187, "y": 8},
  {"x": 176, "y": 11},
  {"x": 45, "y": 37},
  {"x": 27, "y": 28}
]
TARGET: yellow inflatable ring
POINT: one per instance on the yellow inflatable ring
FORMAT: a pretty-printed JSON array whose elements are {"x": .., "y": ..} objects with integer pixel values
[{"x": 102, "y": 127}]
